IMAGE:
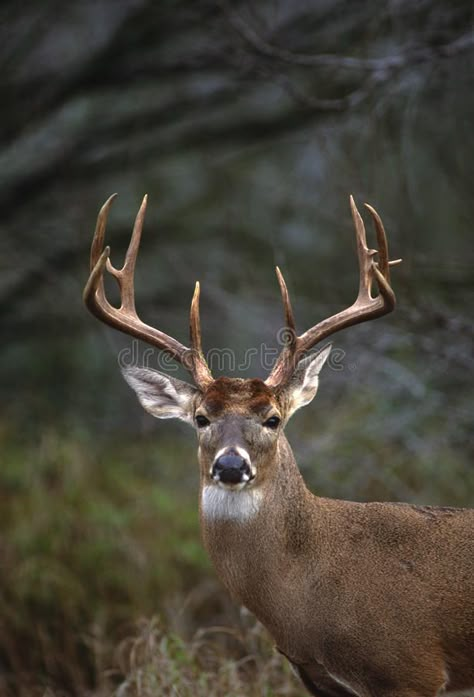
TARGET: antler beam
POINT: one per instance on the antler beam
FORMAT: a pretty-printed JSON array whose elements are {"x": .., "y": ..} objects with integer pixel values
[
  {"x": 125, "y": 317},
  {"x": 363, "y": 309}
]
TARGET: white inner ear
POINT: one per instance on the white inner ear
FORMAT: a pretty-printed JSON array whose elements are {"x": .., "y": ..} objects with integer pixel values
[
  {"x": 306, "y": 379},
  {"x": 161, "y": 395}
]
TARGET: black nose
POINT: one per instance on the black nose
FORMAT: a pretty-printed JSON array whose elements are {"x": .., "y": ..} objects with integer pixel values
[{"x": 231, "y": 468}]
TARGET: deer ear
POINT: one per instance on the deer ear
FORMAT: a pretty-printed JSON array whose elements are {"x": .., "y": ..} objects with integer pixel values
[
  {"x": 161, "y": 395},
  {"x": 304, "y": 383}
]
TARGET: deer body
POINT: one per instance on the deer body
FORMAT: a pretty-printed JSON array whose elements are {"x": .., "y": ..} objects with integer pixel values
[
  {"x": 329, "y": 579},
  {"x": 365, "y": 599}
]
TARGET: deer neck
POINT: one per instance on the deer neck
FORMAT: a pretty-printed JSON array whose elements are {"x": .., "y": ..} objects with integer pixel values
[{"x": 250, "y": 535}]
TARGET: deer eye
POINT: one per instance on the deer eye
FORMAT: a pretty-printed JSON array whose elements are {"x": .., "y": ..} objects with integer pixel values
[
  {"x": 202, "y": 421},
  {"x": 273, "y": 422}
]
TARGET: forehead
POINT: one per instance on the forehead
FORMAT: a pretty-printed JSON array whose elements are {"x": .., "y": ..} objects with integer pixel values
[{"x": 238, "y": 395}]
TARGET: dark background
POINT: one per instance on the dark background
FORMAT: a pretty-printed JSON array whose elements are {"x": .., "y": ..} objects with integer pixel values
[{"x": 248, "y": 125}]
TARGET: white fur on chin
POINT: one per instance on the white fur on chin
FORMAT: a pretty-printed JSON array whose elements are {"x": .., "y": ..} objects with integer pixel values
[{"x": 223, "y": 503}]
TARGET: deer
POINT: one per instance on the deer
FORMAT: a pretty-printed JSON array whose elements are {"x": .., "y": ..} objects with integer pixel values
[{"x": 367, "y": 599}]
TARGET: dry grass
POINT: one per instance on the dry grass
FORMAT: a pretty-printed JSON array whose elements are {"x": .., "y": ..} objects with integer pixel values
[
  {"x": 154, "y": 662},
  {"x": 217, "y": 662}
]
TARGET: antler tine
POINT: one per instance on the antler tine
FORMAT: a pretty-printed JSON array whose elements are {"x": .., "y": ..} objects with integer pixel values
[
  {"x": 286, "y": 361},
  {"x": 289, "y": 317},
  {"x": 382, "y": 268},
  {"x": 197, "y": 357},
  {"x": 363, "y": 309},
  {"x": 94, "y": 294},
  {"x": 125, "y": 276},
  {"x": 99, "y": 234},
  {"x": 94, "y": 288},
  {"x": 195, "y": 319},
  {"x": 364, "y": 255},
  {"x": 125, "y": 317},
  {"x": 127, "y": 272},
  {"x": 382, "y": 246}
]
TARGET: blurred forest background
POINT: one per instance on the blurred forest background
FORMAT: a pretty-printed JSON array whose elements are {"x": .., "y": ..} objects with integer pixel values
[{"x": 248, "y": 124}]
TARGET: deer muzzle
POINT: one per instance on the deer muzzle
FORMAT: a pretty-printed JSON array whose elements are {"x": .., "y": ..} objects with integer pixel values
[{"x": 231, "y": 467}]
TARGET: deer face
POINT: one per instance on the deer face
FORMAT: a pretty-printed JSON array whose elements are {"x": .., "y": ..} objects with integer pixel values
[{"x": 238, "y": 422}]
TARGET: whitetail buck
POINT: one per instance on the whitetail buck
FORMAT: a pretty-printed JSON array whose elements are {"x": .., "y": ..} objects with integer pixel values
[{"x": 368, "y": 599}]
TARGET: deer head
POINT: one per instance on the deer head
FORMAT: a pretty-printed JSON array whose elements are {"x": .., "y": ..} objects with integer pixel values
[{"x": 239, "y": 423}]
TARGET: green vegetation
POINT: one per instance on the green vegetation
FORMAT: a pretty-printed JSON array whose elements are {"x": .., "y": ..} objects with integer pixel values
[{"x": 91, "y": 542}]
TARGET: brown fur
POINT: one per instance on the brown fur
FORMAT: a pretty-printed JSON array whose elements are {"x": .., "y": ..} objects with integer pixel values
[
  {"x": 379, "y": 595},
  {"x": 237, "y": 394}
]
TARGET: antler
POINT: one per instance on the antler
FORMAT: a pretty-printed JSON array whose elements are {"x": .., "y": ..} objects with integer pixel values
[
  {"x": 125, "y": 317},
  {"x": 365, "y": 307}
]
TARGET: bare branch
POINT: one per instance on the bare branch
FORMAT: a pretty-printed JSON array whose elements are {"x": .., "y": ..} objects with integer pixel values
[{"x": 326, "y": 60}]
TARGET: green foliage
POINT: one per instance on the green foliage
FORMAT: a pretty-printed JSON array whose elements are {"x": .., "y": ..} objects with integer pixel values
[{"x": 88, "y": 543}]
